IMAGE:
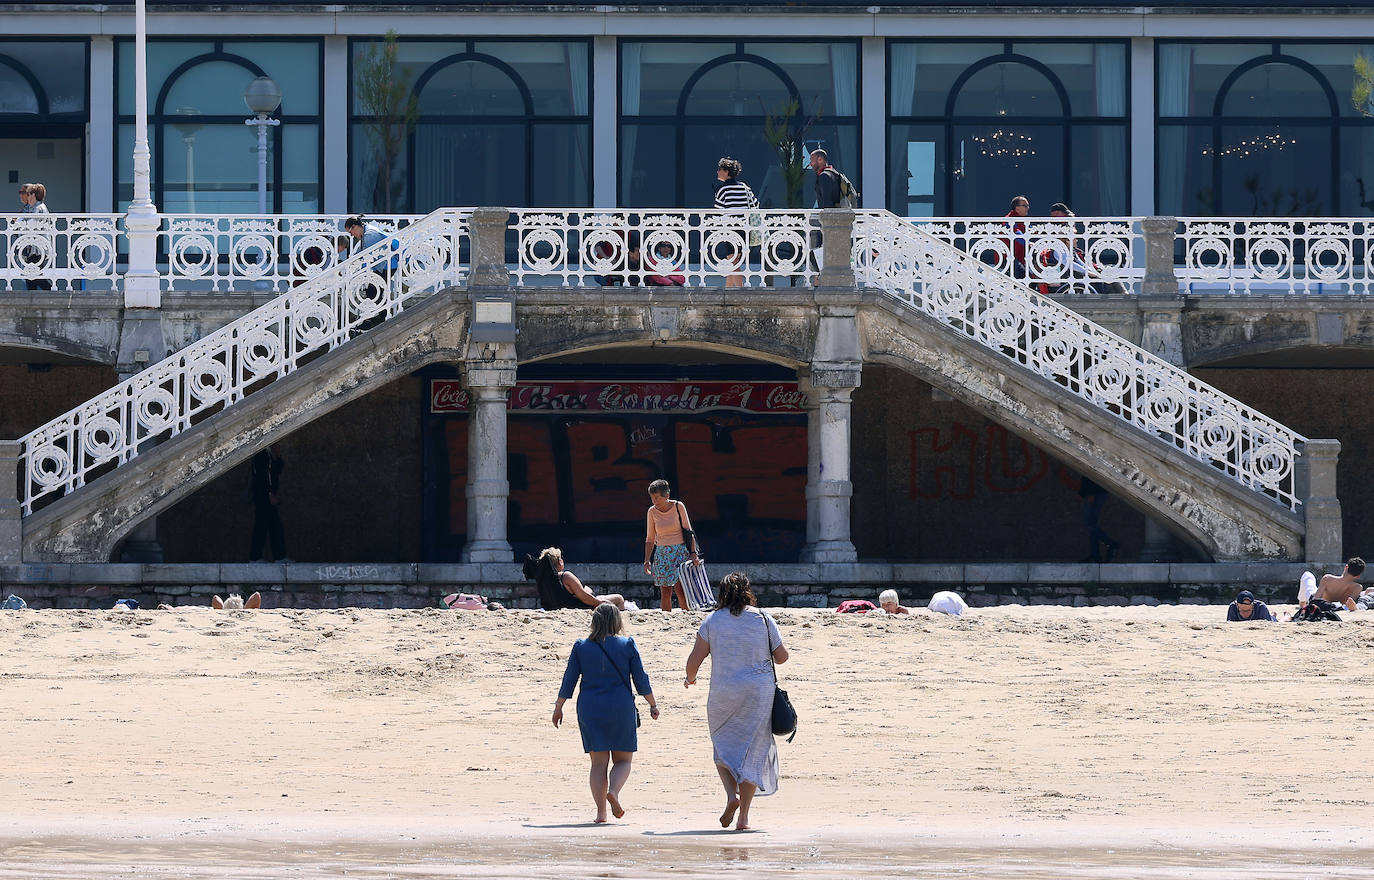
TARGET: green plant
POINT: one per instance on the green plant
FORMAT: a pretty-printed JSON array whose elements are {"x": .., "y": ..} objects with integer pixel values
[
  {"x": 786, "y": 132},
  {"x": 1362, "y": 92},
  {"x": 384, "y": 96}
]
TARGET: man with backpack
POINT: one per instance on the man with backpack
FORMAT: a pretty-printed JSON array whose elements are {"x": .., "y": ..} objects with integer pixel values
[{"x": 833, "y": 190}]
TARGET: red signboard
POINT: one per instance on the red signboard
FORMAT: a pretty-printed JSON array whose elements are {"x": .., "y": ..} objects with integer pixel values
[{"x": 448, "y": 395}]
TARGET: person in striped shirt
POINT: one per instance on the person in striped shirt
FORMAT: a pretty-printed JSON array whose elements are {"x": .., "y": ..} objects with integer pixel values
[{"x": 733, "y": 194}]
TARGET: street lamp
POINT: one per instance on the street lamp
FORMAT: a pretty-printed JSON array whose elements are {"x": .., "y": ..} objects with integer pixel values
[
  {"x": 262, "y": 97},
  {"x": 188, "y": 123}
]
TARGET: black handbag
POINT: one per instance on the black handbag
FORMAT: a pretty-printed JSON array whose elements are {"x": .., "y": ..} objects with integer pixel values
[
  {"x": 784, "y": 716},
  {"x": 689, "y": 537},
  {"x": 638, "y": 720}
]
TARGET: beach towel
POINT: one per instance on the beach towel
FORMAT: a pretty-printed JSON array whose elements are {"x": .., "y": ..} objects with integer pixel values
[
  {"x": 1307, "y": 587},
  {"x": 697, "y": 586},
  {"x": 946, "y": 602}
]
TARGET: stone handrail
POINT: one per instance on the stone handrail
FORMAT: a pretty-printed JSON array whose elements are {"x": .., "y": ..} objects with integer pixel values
[
  {"x": 67, "y": 252},
  {"x": 177, "y": 393},
  {"x": 1089, "y": 361}
]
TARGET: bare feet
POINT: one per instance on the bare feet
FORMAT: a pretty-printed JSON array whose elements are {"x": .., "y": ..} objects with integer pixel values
[
  {"x": 599, "y": 820},
  {"x": 616, "y": 810},
  {"x": 729, "y": 815},
  {"x": 742, "y": 827}
]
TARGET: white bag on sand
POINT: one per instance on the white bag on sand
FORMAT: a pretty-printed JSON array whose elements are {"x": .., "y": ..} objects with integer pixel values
[
  {"x": 947, "y": 602},
  {"x": 1307, "y": 587}
]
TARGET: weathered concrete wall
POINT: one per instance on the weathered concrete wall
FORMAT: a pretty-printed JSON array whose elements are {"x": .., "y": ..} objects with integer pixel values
[
  {"x": 1218, "y": 328},
  {"x": 351, "y": 490},
  {"x": 84, "y": 326},
  {"x": 30, "y": 397},
  {"x": 935, "y": 479}
]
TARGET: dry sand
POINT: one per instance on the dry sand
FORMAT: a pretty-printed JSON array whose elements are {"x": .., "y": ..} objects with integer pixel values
[{"x": 1027, "y": 742}]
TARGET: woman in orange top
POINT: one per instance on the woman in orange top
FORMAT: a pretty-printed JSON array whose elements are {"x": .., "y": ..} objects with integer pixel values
[{"x": 664, "y": 547}]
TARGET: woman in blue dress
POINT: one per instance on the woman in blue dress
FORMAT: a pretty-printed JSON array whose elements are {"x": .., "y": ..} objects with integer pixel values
[{"x": 606, "y": 662}]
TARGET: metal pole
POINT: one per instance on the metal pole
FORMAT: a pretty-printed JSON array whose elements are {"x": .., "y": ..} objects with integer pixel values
[
  {"x": 143, "y": 197},
  {"x": 142, "y": 285},
  {"x": 262, "y": 163}
]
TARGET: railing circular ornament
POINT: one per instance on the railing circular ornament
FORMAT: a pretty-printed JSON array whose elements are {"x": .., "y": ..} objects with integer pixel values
[
  {"x": 1329, "y": 259},
  {"x": 1003, "y": 323},
  {"x": 423, "y": 262},
  {"x": 1056, "y": 351},
  {"x": 549, "y": 243},
  {"x": 101, "y": 437},
  {"x": 1216, "y": 435},
  {"x": 1163, "y": 406},
  {"x": 674, "y": 254},
  {"x": 192, "y": 255},
  {"x": 32, "y": 253},
  {"x": 253, "y": 256},
  {"x": 949, "y": 296},
  {"x": 1209, "y": 257},
  {"x": 1049, "y": 258},
  {"x": 785, "y": 251},
  {"x": 365, "y": 294},
  {"x": 1110, "y": 378},
  {"x": 209, "y": 380},
  {"x": 603, "y": 250},
  {"x": 312, "y": 254},
  {"x": 49, "y": 465},
  {"x": 995, "y": 248},
  {"x": 155, "y": 408},
  {"x": 91, "y": 254},
  {"x": 1277, "y": 267},
  {"x": 1271, "y": 463},
  {"x": 313, "y": 321},
  {"x": 260, "y": 350},
  {"x": 1108, "y": 257},
  {"x": 724, "y": 250}
]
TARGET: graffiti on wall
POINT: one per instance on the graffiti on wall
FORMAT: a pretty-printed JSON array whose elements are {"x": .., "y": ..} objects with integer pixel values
[{"x": 961, "y": 463}]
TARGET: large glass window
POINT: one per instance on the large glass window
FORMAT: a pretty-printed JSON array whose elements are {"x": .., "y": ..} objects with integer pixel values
[
  {"x": 684, "y": 105},
  {"x": 490, "y": 123},
  {"x": 204, "y": 159},
  {"x": 43, "y": 118},
  {"x": 973, "y": 124},
  {"x": 1265, "y": 129}
]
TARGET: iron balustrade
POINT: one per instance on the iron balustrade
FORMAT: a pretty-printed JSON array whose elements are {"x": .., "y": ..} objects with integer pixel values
[
  {"x": 1276, "y": 255},
  {"x": 61, "y": 252}
]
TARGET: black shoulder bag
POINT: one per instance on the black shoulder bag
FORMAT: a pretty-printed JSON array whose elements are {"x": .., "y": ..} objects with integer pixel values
[
  {"x": 784, "y": 716},
  {"x": 638, "y": 720},
  {"x": 689, "y": 537}
]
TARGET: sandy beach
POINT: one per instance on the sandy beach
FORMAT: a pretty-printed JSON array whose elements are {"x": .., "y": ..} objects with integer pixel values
[{"x": 1027, "y": 742}]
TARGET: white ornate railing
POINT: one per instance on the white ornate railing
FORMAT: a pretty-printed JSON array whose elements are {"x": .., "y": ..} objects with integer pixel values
[
  {"x": 1056, "y": 256},
  {"x": 222, "y": 253},
  {"x": 67, "y": 252},
  {"x": 1076, "y": 354},
  {"x": 217, "y": 371},
  {"x": 1278, "y": 254},
  {"x": 663, "y": 247}
]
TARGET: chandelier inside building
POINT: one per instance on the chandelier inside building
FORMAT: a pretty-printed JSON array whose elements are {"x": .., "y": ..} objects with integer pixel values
[
  {"x": 1254, "y": 146},
  {"x": 1001, "y": 143}
]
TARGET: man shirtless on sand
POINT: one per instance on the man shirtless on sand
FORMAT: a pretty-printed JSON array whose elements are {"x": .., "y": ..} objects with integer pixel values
[{"x": 1343, "y": 589}]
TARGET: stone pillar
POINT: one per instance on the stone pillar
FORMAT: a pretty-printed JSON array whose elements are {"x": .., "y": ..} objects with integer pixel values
[
  {"x": 835, "y": 373},
  {"x": 837, "y": 242},
  {"x": 11, "y": 522},
  {"x": 1160, "y": 303},
  {"x": 487, "y": 229},
  {"x": 141, "y": 343},
  {"x": 488, "y": 380},
  {"x": 1321, "y": 508},
  {"x": 812, "y": 406}
]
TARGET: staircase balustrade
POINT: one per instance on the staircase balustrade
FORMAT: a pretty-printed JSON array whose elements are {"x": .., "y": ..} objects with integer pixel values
[
  {"x": 1004, "y": 315},
  {"x": 272, "y": 341}
]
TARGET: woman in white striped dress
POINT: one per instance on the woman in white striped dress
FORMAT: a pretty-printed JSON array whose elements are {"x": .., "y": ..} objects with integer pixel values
[{"x": 733, "y": 194}]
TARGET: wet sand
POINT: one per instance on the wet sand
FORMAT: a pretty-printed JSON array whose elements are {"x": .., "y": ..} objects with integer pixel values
[{"x": 1025, "y": 742}]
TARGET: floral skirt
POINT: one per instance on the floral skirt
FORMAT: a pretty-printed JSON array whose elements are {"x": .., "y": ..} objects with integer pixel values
[{"x": 666, "y": 561}]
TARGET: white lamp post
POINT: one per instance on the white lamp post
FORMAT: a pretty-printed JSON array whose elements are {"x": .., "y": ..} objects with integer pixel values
[
  {"x": 263, "y": 97},
  {"x": 188, "y": 124},
  {"x": 141, "y": 282}
]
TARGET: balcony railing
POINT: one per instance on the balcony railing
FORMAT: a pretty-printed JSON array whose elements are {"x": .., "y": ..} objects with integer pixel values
[
  {"x": 59, "y": 252},
  {"x": 1276, "y": 255}
]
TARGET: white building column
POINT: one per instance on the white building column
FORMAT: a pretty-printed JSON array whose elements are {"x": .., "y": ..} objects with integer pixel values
[
  {"x": 488, "y": 380},
  {"x": 812, "y": 407},
  {"x": 835, "y": 372},
  {"x": 1142, "y": 110},
  {"x": 100, "y": 136},
  {"x": 605, "y": 128},
  {"x": 335, "y": 195},
  {"x": 873, "y": 122}
]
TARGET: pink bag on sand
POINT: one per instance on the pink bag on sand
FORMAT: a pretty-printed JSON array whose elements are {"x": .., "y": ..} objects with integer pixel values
[{"x": 464, "y": 602}]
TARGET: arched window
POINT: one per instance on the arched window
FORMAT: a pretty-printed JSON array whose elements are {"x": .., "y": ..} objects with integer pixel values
[
  {"x": 20, "y": 91},
  {"x": 1262, "y": 130},
  {"x": 204, "y": 158},
  {"x": 974, "y": 124},
  {"x": 497, "y": 123},
  {"x": 43, "y": 118},
  {"x": 685, "y": 105}
]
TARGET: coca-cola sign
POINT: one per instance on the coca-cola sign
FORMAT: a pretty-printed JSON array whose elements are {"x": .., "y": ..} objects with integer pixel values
[{"x": 448, "y": 395}]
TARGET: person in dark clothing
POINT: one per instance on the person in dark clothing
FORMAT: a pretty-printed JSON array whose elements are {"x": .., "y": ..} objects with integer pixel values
[
  {"x": 827, "y": 180},
  {"x": 265, "y": 484},
  {"x": 1247, "y": 607},
  {"x": 1094, "y": 497}
]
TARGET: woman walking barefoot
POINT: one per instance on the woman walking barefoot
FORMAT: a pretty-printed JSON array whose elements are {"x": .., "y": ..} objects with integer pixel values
[
  {"x": 739, "y": 708},
  {"x": 606, "y": 662},
  {"x": 665, "y": 545}
]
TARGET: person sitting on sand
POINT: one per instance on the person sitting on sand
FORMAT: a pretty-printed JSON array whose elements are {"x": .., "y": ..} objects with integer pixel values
[
  {"x": 560, "y": 588},
  {"x": 1247, "y": 607},
  {"x": 887, "y": 600},
  {"x": 948, "y": 602},
  {"x": 235, "y": 602},
  {"x": 1343, "y": 589}
]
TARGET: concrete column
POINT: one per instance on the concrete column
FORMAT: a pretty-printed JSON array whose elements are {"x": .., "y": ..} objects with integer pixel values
[
  {"x": 1321, "y": 508},
  {"x": 487, "y": 229},
  {"x": 1159, "y": 544},
  {"x": 1160, "y": 302},
  {"x": 488, "y": 381},
  {"x": 11, "y": 523},
  {"x": 1142, "y": 111},
  {"x": 873, "y": 122},
  {"x": 834, "y": 380},
  {"x": 812, "y": 406},
  {"x": 141, "y": 343},
  {"x": 336, "y": 195},
  {"x": 837, "y": 241},
  {"x": 100, "y": 171},
  {"x": 605, "y": 125}
]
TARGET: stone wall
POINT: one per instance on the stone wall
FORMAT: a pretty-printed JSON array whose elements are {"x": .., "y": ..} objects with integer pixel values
[{"x": 30, "y": 395}]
